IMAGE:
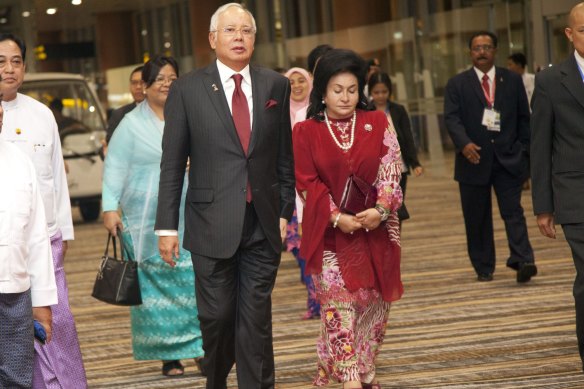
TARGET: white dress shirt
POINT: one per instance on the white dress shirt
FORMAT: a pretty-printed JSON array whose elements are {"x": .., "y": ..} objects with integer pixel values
[
  {"x": 491, "y": 75},
  {"x": 529, "y": 84},
  {"x": 580, "y": 62},
  {"x": 226, "y": 74},
  {"x": 31, "y": 126},
  {"x": 26, "y": 261}
]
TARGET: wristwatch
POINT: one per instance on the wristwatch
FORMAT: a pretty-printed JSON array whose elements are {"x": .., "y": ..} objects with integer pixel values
[{"x": 383, "y": 212}]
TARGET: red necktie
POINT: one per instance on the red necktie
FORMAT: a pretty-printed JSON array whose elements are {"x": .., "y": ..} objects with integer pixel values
[
  {"x": 240, "y": 113},
  {"x": 487, "y": 88}
]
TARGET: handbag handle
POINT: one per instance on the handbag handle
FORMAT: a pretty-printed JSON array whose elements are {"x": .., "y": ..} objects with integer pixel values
[{"x": 110, "y": 238}]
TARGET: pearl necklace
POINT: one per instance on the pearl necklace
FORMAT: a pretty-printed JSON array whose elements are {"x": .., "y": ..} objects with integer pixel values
[{"x": 345, "y": 146}]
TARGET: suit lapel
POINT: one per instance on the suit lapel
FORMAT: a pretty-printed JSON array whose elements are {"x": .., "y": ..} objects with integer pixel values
[
  {"x": 214, "y": 88},
  {"x": 473, "y": 80},
  {"x": 259, "y": 90},
  {"x": 572, "y": 79}
]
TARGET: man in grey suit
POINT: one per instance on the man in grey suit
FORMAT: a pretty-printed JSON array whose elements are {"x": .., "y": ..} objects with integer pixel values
[
  {"x": 557, "y": 161},
  {"x": 232, "y": 120}
]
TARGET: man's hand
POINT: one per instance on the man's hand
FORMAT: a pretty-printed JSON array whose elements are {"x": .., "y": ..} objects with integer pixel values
[
  {"x": 545, "y": 222},
  {"x": 169, "y": 250},
  {"x": 471, "y": 153},
  {"x": 65, "y": 247},
  {"x": 283, "y": 225},
  {"x": 112, "y": 222},
  {"x": 44, "y": 315}
]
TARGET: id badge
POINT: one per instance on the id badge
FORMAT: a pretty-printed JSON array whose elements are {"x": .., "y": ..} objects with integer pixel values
[{"x": 492, "y": 120}]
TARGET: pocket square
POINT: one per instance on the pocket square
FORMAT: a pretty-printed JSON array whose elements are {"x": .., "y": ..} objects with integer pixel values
[{"x": 271, "y": 103}]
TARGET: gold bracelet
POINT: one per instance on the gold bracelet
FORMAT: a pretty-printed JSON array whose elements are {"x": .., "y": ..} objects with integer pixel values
[{"x": 337, "y": 220}]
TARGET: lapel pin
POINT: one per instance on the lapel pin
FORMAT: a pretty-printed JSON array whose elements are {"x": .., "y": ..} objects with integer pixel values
[
  {"x": 215, "y": 89},
  {"x": 368, "y": 127},
  {"x": 18, "y": 131}
]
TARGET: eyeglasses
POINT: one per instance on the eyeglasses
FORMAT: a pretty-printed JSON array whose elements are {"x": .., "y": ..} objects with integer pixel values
[
  {"x": 478, "y": 48},
  {"x": 231, "y": 31},
  {"x": 16, "y": 63},
  {"x": 161, "y": 80}
]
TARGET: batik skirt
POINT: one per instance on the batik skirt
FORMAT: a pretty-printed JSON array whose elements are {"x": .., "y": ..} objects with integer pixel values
[{"x": 352, "y": 327}]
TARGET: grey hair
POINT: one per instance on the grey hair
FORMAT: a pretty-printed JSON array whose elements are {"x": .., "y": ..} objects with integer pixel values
[{"x": 223, "y": 8}]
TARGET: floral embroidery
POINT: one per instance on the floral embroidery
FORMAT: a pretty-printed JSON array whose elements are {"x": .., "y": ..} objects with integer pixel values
[
  {"x": 389, "y": 193},
  {"x": 352, "y": 331},
  {"x": 378, "y": 332},
  {"x": 393, "y": 153},
  {"x": 332, "y": 320},
  {"x": 342, "y": 344}
]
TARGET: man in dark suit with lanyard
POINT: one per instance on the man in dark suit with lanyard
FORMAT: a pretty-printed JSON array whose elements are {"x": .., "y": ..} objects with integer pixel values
[
  {"x": 487, "y": 117},
  {"x": 232, "y": 121},
  {"x": 557, "y": 159}
]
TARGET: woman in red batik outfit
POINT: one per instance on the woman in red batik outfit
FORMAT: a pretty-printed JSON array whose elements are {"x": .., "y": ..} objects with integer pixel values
[{"x": 354, "y": 259}]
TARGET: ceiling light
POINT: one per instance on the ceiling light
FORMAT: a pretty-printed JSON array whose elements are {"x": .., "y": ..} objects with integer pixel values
[
  {"x": 76, "y": 2},
  {"x": 25, "y": 14},
  {"x": 3, "y": 20},
  {"x": 51, "y": 11}
]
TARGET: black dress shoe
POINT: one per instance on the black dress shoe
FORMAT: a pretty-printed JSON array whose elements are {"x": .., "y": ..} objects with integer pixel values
[
  {"x": 485, "y": 277},
  {"x": 526, "y": 271}
]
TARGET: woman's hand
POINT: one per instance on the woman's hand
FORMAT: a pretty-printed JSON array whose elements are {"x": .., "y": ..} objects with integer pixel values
[
  {"x": 348, "y": 223},
  {"x": 369, "y": 219},
  {"x": 112, "y": 222}
]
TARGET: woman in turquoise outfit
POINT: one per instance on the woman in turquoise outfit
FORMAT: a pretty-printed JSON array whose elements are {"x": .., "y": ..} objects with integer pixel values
[{"x": 165, "y": 327}]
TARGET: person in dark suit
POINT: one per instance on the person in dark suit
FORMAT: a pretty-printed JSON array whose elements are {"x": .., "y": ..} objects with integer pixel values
[
  {"x": 137, "y": 91},
  {"x": 380, "y": 91},
  {"x": 487, "y": 116},
  {"x": 557, "y": 162},
  {"x": 232, "y": 120}
]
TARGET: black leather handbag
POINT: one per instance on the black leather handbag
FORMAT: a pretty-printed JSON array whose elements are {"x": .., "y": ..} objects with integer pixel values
[{"x": 117, "y": 279}]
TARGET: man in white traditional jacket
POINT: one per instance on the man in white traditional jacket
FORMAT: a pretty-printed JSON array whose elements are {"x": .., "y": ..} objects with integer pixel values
[
  {"x": 27, "y": 276},
  {"x": 31, "y": 126}
]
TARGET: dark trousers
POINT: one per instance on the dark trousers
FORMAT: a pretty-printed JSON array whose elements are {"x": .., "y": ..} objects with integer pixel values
[
  {"x": 16, "y": 340},
  {"x": 575, "y": 236},
  {"x": 402, "y": 212},
  {"x": 478, "y": 220},
  {"x": 235, "y": 309}
]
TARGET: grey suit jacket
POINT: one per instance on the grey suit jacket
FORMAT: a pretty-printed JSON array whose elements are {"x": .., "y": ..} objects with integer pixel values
[
  {"x": 199, "y": 126},
  {"x": 557, "y": 145}
]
